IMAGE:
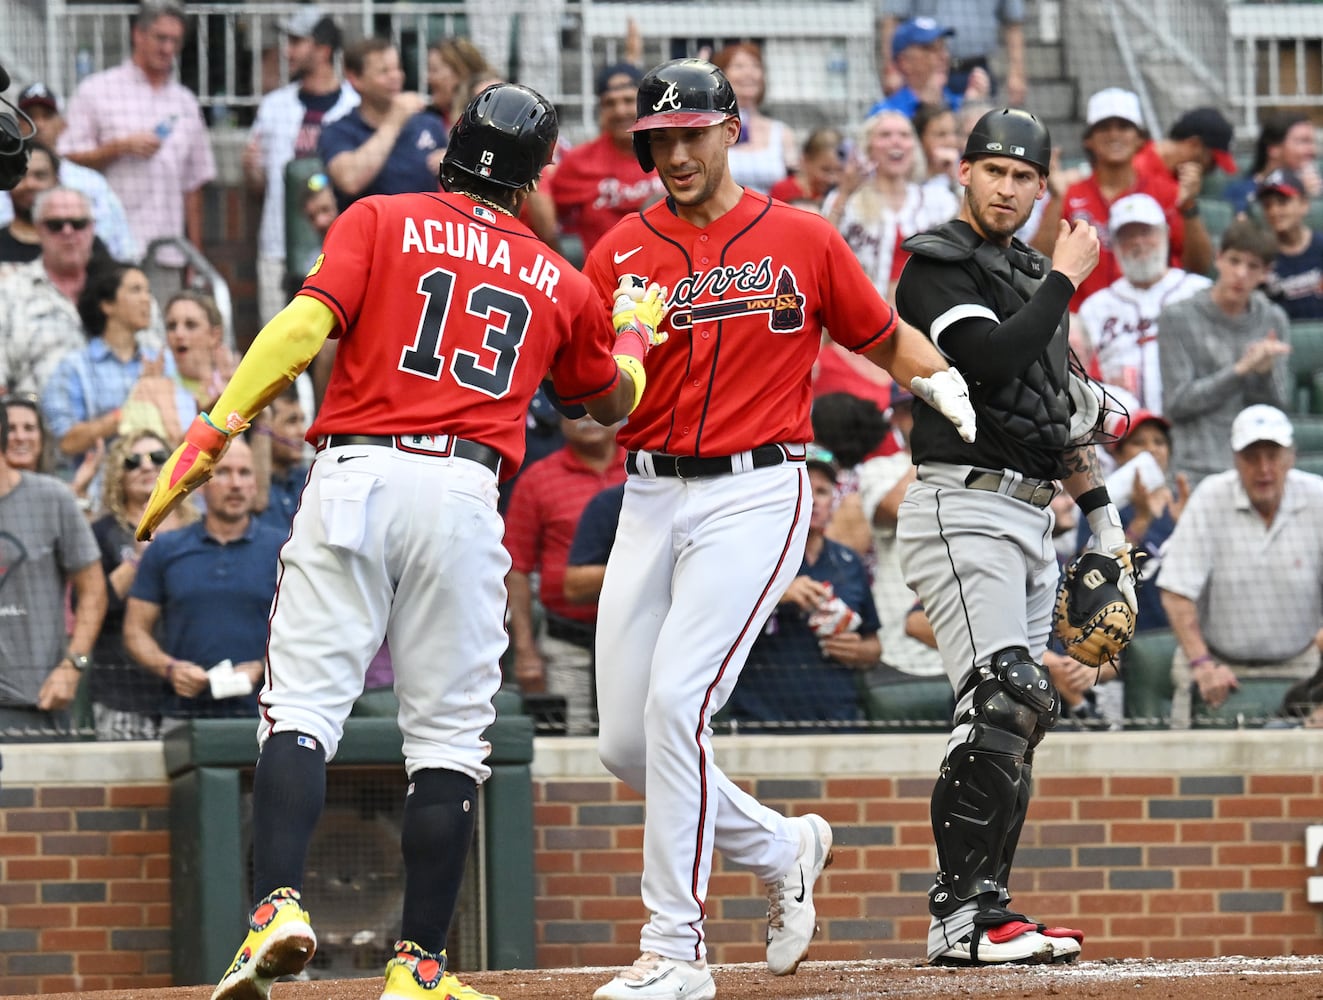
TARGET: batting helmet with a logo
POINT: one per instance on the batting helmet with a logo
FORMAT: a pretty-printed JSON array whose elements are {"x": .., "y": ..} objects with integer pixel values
[
  {"x": 506, "y": 136},
  {"x": 1014, "y": 133},
  {"x": 683, "y": 93}
]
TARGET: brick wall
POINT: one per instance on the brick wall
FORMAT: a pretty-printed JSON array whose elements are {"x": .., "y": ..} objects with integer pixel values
[{"x": 1157, "y": 844}]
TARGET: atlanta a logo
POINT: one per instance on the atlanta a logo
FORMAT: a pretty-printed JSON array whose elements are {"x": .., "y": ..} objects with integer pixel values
[{"x": 669, "y": 99}]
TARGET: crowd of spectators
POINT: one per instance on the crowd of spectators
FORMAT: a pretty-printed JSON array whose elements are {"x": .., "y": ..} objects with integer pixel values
[{"x": 102, "y": 367}]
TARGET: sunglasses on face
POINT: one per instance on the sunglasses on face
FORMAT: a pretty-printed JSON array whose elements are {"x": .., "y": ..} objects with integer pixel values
[
  {"x": 57, "y": 225},
  {"x": 157, "y": 458}
]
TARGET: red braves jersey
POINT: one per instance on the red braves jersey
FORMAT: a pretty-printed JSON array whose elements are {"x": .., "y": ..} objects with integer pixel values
[
  {"x": 1084, "y": 200},
  {"x": 543, "y": 516},
  {"x": 449, "y": 316},
  {"x": 749, "y": 298},
  {"x": 596, "y": 185}
]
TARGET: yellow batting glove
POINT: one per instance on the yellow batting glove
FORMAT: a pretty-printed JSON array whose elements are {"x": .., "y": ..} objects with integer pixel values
[
  {"x": 638, "y": 314},
  {"x": 188, "y": 468}
]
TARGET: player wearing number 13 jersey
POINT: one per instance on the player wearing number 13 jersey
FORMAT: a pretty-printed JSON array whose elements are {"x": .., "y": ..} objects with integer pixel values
[
  {"x": 449, "y": 313},
  {"x": 716, "y": 509}
]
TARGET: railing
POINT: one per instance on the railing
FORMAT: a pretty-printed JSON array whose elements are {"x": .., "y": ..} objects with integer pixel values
[
  {"x": 819, "y": 55},
  {"x": 1274, "y": 58},
  {"x": 204, "y": 276}
]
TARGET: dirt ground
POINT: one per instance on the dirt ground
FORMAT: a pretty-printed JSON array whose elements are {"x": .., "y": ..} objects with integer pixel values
[{"x": 1234, "y": 978}]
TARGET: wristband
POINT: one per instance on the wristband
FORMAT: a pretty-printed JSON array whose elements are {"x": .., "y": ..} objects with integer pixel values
[
  {"x": 1199, "y": 661},
  {"x": 632, "y": 340},
  {"x": 1093, "y": 499},
  {"x": 170, "y": 670},
  {"x": 634, "y": 366},
  {"x": 1191, "y": 212}
]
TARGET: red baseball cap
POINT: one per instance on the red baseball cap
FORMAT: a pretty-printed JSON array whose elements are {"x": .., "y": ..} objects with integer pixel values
[{"x": 1140, "y": 417}]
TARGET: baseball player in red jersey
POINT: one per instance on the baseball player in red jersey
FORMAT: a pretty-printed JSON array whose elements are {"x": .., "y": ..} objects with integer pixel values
[
  {"x": 716, "y": 509},
  {"x": 449, "y": 313}
]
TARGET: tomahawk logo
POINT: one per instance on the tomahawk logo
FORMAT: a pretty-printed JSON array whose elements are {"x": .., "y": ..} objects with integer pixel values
[{"x": 669, "y": 99}]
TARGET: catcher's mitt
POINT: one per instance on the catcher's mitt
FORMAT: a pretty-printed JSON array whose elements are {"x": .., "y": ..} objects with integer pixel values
[{"x": 1092, "y": 617}]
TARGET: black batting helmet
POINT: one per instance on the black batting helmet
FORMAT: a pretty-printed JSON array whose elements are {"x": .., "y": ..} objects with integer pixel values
[
  {"x": 505, "y": 136},
  {"x": 1014, "y": 133},
  {"x": 683, "y": 93}
]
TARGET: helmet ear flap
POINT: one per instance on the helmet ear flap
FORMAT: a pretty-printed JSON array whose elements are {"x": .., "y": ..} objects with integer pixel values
[{"x": 643, "y": 152}]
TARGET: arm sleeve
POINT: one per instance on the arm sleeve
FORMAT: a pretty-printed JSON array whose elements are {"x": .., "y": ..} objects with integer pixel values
[{"x": 989, "y": 351}]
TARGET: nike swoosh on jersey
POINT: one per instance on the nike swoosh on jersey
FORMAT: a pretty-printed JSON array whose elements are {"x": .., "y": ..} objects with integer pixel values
[
  {"x": 348, "y": 458},
  {"x": 620, "y": 258}
]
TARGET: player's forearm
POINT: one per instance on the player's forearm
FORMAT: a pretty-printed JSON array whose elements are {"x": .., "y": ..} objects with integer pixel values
[
  {"x": 616, "y": 405},
  {"x": 1085, "y": 470},
  {"x": 280, "y": 352},
  {"x": 1197, "y": 253},
  {"x": 907, "y": 353},
  {"x": 583, "y": 584}
]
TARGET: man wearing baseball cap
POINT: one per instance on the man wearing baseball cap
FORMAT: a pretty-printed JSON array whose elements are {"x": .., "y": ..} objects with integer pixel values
[
  {"x": 1295, "y": 281},
  {"x": 598, "y": 183},
  {"x": 1114, "y": 136},
  {"x": 1121, "y": 320},
  {"x": 1242, "y": 574},
  {"x": 920, "y": 57},
  {"x": 39, "y": 103},
  {"x": 288, "y": 123}
]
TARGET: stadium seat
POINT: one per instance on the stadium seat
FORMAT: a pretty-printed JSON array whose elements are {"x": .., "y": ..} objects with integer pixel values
[
  {"x": 1217, "y": 215},
  {"x": 1314, "y": 220},
  {"x": 1310, "y": 463},
  {"x": 917, "y": 704},
  {"x": 1306, "y": 360},
  {"x": 1146, "y": 671},
  {"x": 1308, "y": 433},
  {"x": 1251, "y": 705}
]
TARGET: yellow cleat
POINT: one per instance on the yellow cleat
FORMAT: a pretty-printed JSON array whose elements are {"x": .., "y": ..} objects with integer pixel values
[
  {"x": 280, "y": 942},
  {"x": 415, "y": 974}
]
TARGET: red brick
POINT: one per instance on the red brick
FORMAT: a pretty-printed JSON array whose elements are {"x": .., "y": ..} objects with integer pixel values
[
  {"x": 1250, "y": 854},
  {"x": 126, "y": 796},
  {"x": 64, "y": 939},
  {"x": 109, "y": 915},
  {"x": 39, "y": 916},
  {"x": 1196, "y": 831},
  {"x": 109, "y": 868},
  {"x": 628, "y": 837},
  {"x": 1144, "y": 787},
  {"x": 1276, "y": 878},
  {"x": 1306, "y": 809},
  {"x": 555, "y": 861},
  {"x": 1284, "y": 924},
  {"x": 140, "y": 842},
  {"x": 156, "y": 867},
  {"x": 1149, "y": 927},
  {"x": 1280, "y": 784},
  {"x": 578, "y": 886},
  {"x": 123, "y": 962},
  {"x": 860, "y": 883},
  {"x": 553, "y": 909},
  {"x": 1182, "y": 902},
  {"x": 1210, "y": 878},
  {"x": 157, "y": 915},
  {"x": 139, "y": 891},
  {"x": 1143, "y": 833},
  {"x": 1259, "y": 806},
  {"x": 1111, "y": 902},
  {"x": 13, "y": 845},
  {"x": 1052, "y": 809},
  {"x": 548, "y": 814},
  {"x": 1213, "y": 925},
  {"x": 39, "y": 869},
  {"x": 893, "y": 811},
  {"x": 1253, "y": 946},
  {"x": 1073, "y": 787},
  {"x": 859, "y": 789},
  {"x": 1112, "y": 809}
]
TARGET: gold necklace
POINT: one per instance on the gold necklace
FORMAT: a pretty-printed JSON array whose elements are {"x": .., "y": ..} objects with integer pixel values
[{"x": 490, "y": 204}]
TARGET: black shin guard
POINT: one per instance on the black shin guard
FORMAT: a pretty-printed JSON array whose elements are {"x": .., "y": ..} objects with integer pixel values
[
  {"x": 289, "y": 790},
  {"x": 439, "y": 817}
]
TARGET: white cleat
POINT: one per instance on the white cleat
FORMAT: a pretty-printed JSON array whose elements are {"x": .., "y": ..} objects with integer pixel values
[
  {"x": 653, "y": 977},
  {"x": 792, "y": 919},
  {"x": 1013, "y": 943}
]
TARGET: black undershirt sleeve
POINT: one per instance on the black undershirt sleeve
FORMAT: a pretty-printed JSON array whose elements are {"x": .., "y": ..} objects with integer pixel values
[{"x": 995, "y": 352}]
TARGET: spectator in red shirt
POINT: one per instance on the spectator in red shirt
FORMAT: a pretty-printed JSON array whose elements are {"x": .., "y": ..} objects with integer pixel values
[
  {"x": 1114, "y": 139},
  {"x": 544, "y": 512},
  {"x": 597, "y": 184},
  {"x": 820, "y": 166}
]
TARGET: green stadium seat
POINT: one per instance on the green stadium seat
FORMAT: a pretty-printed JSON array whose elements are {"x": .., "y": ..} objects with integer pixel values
[
  {"x": 1306, "y": 362},
  {"x": 1146, "y": 671},
  {"x": 1310, "y": 463},
  {"x": 916, "y": 704},
  {"x": 1217, "y": 215},
  {"x": 1249, "y": 706},
  {"x": 1308, "y": 433},
  {"x": 1314, "y": 220}
]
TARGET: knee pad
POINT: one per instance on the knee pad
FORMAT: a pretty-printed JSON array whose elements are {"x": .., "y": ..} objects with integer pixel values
[{"x": 1016, "y": 694}]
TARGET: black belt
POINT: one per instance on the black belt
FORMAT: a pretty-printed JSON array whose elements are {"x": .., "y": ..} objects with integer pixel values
[
  {"x": 418, "y": 444},
  {"x": 1038, "y": 492},
  {"x": 691, "y": 467}
]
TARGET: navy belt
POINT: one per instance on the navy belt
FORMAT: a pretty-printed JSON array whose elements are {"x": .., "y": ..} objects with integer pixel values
[
  {"x": 438, "y": 445},
  {"x": 1037, "y": 492},
  {"x": 692, "y": 467}
]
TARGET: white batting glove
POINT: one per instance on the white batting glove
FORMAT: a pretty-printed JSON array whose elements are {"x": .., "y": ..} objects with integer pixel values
[
  {"x": 947, "y": 393},
  {"x": 1109, "y": 538}
]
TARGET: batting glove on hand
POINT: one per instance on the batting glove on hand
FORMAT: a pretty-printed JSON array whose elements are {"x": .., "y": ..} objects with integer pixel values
[
  {"x": 1109, "y": 539},
  {"x": 947, "y": 393},
  {"x": 188, "y": 468},
  {"x": 639, "y": 310}
]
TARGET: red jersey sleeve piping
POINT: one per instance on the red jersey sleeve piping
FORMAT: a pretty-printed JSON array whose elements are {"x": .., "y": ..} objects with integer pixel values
[
  {"x": 593, "y": 394},
  {"x": 881, "y": 335}
]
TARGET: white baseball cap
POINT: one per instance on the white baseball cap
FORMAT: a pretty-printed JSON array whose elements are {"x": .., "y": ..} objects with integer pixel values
[
  {"x": 1261, "y": 422},
  {"x": 1113, "y": 102},
  {"x": 1135, "y": 208}
]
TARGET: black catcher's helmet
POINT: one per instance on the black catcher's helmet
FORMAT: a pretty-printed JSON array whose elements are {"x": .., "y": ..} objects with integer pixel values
[
  {"x": 683, "y": 93},
  {"x": 505, "y": 136},
  {"x": 1014, "y": 133}
]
